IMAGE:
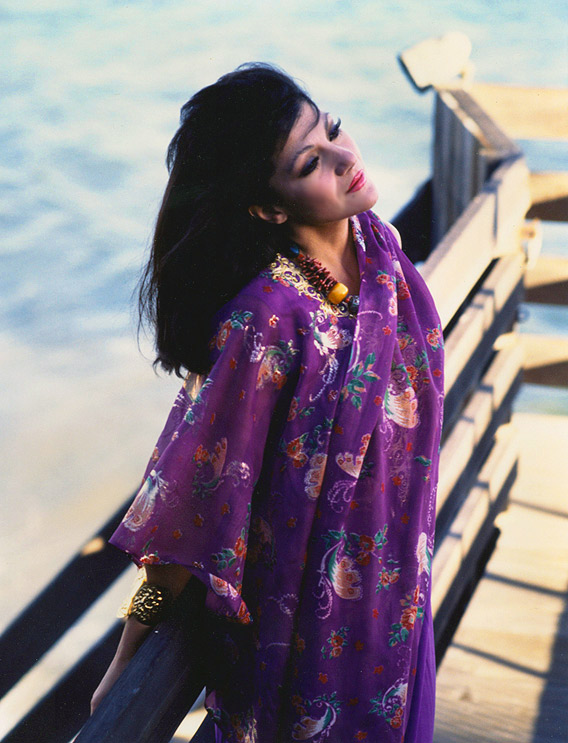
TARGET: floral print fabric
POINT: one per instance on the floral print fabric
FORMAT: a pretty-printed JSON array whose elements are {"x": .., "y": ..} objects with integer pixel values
[{"x": 299, "y": 486}]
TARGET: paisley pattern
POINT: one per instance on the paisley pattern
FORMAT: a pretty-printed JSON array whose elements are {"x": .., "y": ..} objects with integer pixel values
[{"x": 297, "y": 481}]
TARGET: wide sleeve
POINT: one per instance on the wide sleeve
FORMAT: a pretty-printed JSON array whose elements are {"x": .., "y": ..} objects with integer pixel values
[{"x": 195, "y": 502}]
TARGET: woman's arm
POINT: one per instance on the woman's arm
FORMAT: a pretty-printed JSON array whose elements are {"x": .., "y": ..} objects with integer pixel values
[
  {"x": 394, "y": 231},
  {"x": 172, "y": 577}
]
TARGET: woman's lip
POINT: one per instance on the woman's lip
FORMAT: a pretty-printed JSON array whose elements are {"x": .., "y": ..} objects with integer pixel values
[{"x": 358, "y": 181}]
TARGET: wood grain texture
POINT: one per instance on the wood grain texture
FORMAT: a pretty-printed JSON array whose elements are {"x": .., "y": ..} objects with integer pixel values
[
  {"x": 505, "y": 676},
  {"x": 524, "y": 112}
]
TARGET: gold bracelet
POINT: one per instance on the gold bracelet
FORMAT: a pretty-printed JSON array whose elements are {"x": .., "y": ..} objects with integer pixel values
[{"x": 150, "y": 604}]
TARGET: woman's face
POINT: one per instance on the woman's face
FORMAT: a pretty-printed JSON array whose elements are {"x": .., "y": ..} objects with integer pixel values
[{"x": 320, "y": 176}]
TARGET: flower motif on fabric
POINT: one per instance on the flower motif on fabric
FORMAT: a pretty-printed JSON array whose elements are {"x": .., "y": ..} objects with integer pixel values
[
  {"x": 360, "y": 374},
  {"x": 387, "y": 280},
  {"x": 411, "y": 611},
  {"x": 317, "y": 717},
  {"x": 402, "y": 290},
  {"x": 222, "y": 587},
  {"x": 238, "y": 320},
  {"x": 391, "y": 704},
  {"x": 295, "y": 451},
  {"x": 296, "y": 411},
  {"x": 275, "y": 364},
  {"x": 425, "y": 462},
  {"x": 388, "y": 576},
  {"x": 335, "y": 643},
  {"x": 435, "y": 338},
  {"x": 210, "y": 471},
  {"x": 350, "y": 464},
  {"x": 229, "y": 555},
  {"x": 303, "y": 448},
  {"x": 150, "y": 558}
]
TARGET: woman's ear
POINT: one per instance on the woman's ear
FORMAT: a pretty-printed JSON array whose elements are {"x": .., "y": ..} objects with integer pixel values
[{"x": 273, "y": 214}]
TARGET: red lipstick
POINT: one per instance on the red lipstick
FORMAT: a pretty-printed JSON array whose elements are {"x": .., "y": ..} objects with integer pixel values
[{"x": 358, "y": 182}]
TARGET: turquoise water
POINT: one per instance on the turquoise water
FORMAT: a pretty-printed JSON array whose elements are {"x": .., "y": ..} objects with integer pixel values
[{"x": 90, "y": 98}]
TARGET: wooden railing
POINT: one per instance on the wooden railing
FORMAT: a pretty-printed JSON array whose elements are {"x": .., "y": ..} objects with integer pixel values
[{"x": 467, "y": 222}]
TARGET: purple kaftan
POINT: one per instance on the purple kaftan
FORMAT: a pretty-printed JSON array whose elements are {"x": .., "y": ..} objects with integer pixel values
[{"x": 299, "y": 485}]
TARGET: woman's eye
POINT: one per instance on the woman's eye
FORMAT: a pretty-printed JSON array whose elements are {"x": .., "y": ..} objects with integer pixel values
[
  {"x": 309, "y": 167},
  {"x": 334, "y": 130}
]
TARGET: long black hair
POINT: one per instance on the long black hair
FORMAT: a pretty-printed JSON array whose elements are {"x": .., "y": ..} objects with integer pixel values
[{"x": 206, "y": 245}]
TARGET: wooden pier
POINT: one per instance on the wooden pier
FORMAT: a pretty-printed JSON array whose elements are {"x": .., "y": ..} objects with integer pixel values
[{"x": 503, "y": 676}]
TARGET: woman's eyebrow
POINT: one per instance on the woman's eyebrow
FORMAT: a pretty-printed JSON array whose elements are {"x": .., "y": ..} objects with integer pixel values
[{"x": 308, "y": 146}]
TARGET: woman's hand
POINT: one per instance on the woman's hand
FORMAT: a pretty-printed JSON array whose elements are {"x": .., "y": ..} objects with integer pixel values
[
  {"x": 133, "y": 635},
  {"x": 172, "y": 577}
]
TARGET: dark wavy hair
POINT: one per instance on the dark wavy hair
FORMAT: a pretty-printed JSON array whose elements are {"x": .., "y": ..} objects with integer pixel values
[{"x": 206, "y": 245}]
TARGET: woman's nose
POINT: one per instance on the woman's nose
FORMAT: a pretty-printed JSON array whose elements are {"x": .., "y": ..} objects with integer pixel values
[{"x": 345, "y": 160}]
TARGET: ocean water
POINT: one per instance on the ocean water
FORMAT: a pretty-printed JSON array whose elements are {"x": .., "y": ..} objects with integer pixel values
[{"x": 90, "y": 99}]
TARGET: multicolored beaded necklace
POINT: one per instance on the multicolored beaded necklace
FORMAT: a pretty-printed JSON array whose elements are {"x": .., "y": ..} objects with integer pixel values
[{"x": 321, "y": 279}]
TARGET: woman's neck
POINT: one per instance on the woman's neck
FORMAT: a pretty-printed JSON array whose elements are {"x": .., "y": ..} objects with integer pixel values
[{"x": 333, "y": 246}]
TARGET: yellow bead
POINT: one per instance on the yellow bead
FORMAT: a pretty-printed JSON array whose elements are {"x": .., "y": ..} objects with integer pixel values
[{"x": 338, "y": 293}]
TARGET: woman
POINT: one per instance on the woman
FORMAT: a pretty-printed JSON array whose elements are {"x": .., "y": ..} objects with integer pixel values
[{"x": 299, "y": 483}]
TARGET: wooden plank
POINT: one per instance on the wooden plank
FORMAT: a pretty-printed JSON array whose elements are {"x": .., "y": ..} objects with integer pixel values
[
  {"x": 546, "y": 359},
  {"x": 477, "y": 511},
  {"x": 547, "y": 280},
  {"x": 444, "y": 120},
  {"x": 494, "y": 141},
  {"x": 471, "y": 427},
  {"x": 472, "y": 326},
  {"x": 479, "y": 358},
  {"x": 523, "y": 112},
  {"x": 511, "y": 183},
  {"x": 456, "y": 174},
  {"x": 549, "y": 196},
  {"x": 505, "y": 676},
  {"x": 460, "y": 258}
]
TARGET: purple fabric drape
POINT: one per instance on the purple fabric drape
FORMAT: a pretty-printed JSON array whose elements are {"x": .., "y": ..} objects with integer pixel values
[{"x": 299, "y": 486}]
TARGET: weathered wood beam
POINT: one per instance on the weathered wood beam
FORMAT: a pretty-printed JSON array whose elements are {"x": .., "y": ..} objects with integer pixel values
[
  {"x": 525, "y": 113},
  {"x": 547, "y": 281},
  {"x": 472, "y": 326},
  {"x": 549, "y": 197},
  {"x": 476, "y": 420},
  {"x": 458, "y": 261},
  {"x": 455, "y": 561},
  {"x": 546, "y": 359}
]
